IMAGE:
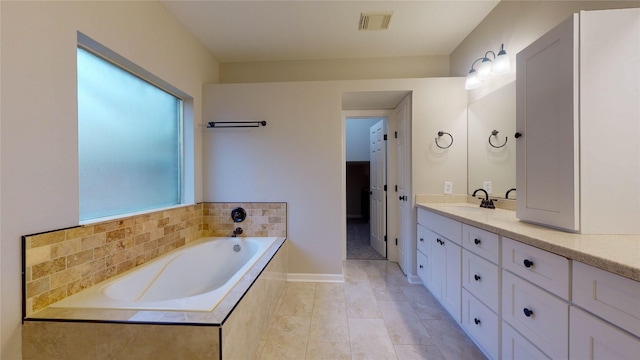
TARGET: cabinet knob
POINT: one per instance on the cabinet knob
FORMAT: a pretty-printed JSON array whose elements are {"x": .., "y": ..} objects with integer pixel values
[
  {"x": 527, "y": 312},
  {"x": 421, "y": 240},
  {"x": 476, "y": 277},
  {"x": 518, "y": 134},
  {"x": 477, "y": 241},
  {"x": 476, "y": 320},
  {"x": 421, "y": 266},
  {"x": 528, "y": 263}
]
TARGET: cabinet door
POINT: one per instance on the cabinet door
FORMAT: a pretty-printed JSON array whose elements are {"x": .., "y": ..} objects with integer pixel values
[
  {"x": 516, "y": 347},
  {"x": 539, "y": 316},
  {"x": 592, "y": 338},
  {"x": 452, "y": 279},
  {"x": 482, "y": 324},
  {"x": 422, "y": 263},
  {"x": 482, "y": 279},
  {"x": 547, "y": 117}
]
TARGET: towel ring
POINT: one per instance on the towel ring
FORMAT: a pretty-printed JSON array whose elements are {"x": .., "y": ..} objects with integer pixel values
[
  {"x": 440, "y": 133},
  {"x": 495, "y": 133}
]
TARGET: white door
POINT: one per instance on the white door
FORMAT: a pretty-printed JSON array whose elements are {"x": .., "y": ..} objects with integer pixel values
[
  {"x": 378, "y": 180},
  {"x": 403, "y": 171}
]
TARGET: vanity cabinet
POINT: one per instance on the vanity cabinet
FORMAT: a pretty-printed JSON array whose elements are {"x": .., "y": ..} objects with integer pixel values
[
  {"x": 576, "y": 110},
  {"x": 439, "y": 253}
]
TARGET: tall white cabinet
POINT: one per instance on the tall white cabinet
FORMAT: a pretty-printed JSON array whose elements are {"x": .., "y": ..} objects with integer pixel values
[{"x": 578, "y": 114}]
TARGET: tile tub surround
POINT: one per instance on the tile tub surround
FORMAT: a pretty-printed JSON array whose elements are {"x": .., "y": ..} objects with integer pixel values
[
  {"x": 232, "y": 330},
  {"x": 263, "y": 219},
  {"x": 63, "y": 262},
  {"x": 618, "y": 254}
]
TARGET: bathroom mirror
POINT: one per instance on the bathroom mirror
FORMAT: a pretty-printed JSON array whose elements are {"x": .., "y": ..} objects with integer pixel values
[{"x": 491, "y": 147}]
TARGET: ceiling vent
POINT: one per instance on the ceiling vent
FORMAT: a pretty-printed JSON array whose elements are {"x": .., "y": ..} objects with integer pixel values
[{"x": 375, "y": 21}]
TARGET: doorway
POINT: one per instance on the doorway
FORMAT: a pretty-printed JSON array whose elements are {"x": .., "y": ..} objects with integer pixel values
[{"x": 359, "y": 194}]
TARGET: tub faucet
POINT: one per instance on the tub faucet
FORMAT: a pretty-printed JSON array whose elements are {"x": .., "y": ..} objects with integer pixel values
[
  {"x": 486, "y": 202},
  {"x": 237, "y": 231}
]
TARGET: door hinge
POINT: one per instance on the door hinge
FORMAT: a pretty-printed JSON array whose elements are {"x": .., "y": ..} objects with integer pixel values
[
  {"x": 396, "y": 188},
  {"x": 396, "y": 241},
  {"x": 395, "y": 134},
  {"x": 385, "y": 238},
  {"x": 385, "y": 188},
  {"x": 385, "y": 137}
]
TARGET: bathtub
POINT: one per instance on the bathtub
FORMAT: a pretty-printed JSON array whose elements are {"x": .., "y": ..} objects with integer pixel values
[{"x": 195, "y": 277}]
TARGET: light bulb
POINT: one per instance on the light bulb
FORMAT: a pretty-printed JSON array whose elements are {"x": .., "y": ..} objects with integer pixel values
[
  {"x": 502, "y": 64},
  {"x": 472, "y": 81},
  {"x": 484, "y": 69}
]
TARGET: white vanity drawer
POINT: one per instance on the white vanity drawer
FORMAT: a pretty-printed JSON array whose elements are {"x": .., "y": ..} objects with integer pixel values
[
  {"x": 482, "y": 279},
  {"x": 607, "y": 295},
  {"x": 424, "y": 238},
  {"x": 516, "y": 347},
  {"x": 539, "y": 316},
  {"x": 547, "y": 270},
  {"x": 592, "y": 338},
  {"x": 422, "y": 265},
  {"x": 444, "y": 226},
  {"x": 481, "y": 323},
  {"x": 481, "y": 242}
]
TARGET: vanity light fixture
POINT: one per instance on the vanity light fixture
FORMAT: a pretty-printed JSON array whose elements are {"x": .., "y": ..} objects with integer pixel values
[{"x": 488, "y": 68}]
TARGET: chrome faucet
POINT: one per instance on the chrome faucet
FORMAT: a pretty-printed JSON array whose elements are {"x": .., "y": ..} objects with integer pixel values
[
  {"x": 237, "y": 231},
  {"x": 486, "y": 202}
]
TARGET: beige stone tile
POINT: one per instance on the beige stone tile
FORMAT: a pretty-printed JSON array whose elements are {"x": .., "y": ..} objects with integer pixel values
[
  {"x": 298, "y": 299},
  {"x": 47, "y": 238},
  {"x": 325, "y": 350},
  {"x": 287, "y": 338},
  {"x": 329, "y": 325},
  {"x": 384, "y": 288},
  {"x": 49, "y": 267},
  {"x": 38, "y": 286},
  {"x": 38, "y": 255},
  {"x": 403, "y": 324},
  {"x": 452, "y": 342},
  {"x": 58, "y": 340},
  {"x": 425, "y": 305},
  {"x": 361, "y": 301},
  {"x": 370, "y": 339},
  {"x": 418, "y": 352},
  {"x": 78, "y": 232},
  {"x": 132, "y": 341}
]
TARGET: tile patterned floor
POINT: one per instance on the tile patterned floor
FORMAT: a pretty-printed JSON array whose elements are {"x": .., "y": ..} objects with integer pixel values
[{"x": 375, "y": 314}]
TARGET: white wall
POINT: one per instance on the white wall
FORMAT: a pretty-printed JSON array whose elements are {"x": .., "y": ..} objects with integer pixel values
[
  {"x": 357, "y": 138},
  {"x": 39, "y": 113},
  {"x": 337, "y": 69},
  {"x": 299, "y": 157}
]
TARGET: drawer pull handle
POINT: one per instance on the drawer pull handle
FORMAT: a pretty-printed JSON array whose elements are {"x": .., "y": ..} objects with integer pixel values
[
  {"x": 440, "y": 241},
  {"x": 477, "y": 241},
  {"x": 421, "y": 266},
  {"x": 476, "y": 320},
  {"x": 527, "y": 312},
  {"x": 528, "y": 263},
  {"x": 421, "y": 240},
  {"x": 476, "y": 277}
]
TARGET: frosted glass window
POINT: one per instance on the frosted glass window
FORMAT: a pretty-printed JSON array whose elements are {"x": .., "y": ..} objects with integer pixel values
[{"x": 129, "y": 141}]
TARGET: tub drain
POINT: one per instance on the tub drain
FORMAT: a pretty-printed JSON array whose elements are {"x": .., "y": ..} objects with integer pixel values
[{"x": 236, "y": 248}]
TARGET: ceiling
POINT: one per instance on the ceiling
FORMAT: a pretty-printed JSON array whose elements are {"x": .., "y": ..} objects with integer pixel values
[{"x": 254, "y": 31}]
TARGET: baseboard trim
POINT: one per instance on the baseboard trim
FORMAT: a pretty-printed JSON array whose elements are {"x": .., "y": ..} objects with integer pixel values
[
  {"x": 414, "y": 279},
  {"x": 324, "y": 278}
]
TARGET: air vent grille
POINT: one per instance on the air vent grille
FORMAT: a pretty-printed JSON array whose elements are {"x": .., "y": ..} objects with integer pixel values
[{"x": 375, "y": 21}]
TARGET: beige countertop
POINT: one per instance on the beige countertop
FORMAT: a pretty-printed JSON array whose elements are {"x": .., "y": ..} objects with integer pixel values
[{"x": 619, "y": 254}]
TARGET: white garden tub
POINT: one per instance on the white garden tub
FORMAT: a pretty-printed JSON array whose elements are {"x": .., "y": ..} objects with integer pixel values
[{"x": 195, "y": 277}]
